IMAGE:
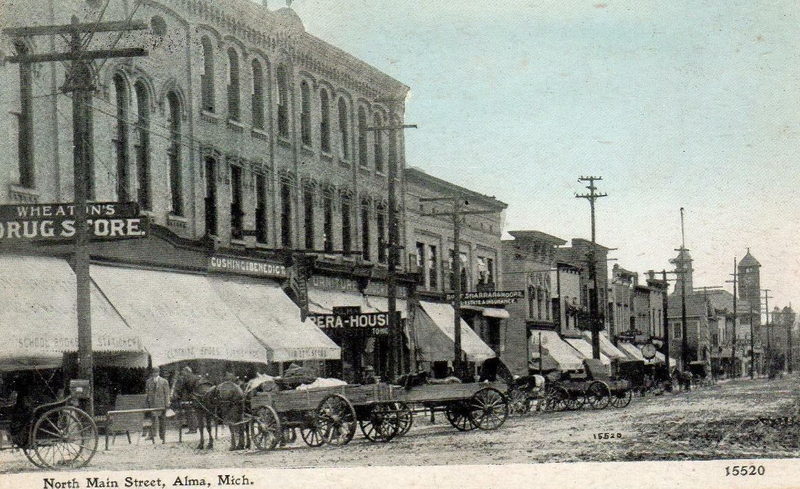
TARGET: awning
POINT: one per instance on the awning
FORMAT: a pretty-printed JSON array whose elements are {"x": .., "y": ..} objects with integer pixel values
[
  {"x": 434, "y": 327},
  {"x": 659, "y": 358},
  {"x": 489, "y": 312},
  {"x": 381, "y": 304},
  {"x": 607, "y": 348},
  {"x": 271, "y": 316},
  {"x": 631, "y": 350},
  {"x": 39, "y": 322},
  {"x": 558, "y": 355},
  {"x": 178, "y": 315},
  {"x": 585, "y": 349},
  {"x": 323, "y": 301}
]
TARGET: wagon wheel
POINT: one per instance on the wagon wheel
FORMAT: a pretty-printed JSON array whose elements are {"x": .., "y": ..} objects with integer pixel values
[
  {"x": 336, "y": 419},
  {"x": 457, "y": 413},
  {"x": 265, "y": 429},
  {"x": 63, "y": 438},
  {"x": 556, "y": 399},
  {"x": 405, "y": 417},
  {"x": 575, "y": 401},
  {"x": 30, "y": 454},
  {"x": 312, "y": 435},
  {"x": 622, "y": 398},
  {"x": 382, "y": 422},
  {"x": 518, "y": 402},
  {"x": 598, "y": 395},
  {"x": 488, "y": 409}
]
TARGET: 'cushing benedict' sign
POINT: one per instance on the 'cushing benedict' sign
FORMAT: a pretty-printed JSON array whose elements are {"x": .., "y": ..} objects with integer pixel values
[
  {"x": 244, "y": 266},
  {"x": 105, "y": 220}
]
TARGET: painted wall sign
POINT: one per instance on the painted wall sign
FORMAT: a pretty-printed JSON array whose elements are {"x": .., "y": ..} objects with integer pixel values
[
  {"x": 246, "y": 266},
  {"x": 66, "y": 210},
  {"x": 488, "y": 298},
  {"x": 56, "y": 229}
]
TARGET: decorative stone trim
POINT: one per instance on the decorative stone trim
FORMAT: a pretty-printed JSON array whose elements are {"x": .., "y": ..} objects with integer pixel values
[{"x": 23, "y": 195}]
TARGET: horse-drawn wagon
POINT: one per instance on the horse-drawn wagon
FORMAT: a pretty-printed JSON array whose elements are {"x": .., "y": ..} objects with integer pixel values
[
  {"x": 55, "y": 435},
  {"x": 596, "y": 388}
]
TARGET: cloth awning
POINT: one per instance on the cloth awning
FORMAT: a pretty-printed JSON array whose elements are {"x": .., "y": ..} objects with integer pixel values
[
  {"x": 585, "y": 349},
  {"x": 323, "y": 301},
  {"x": 39, "y": 321},
  {"x": 435, "y": 329},
  {"x": 556, "y": 353},
  {"x": 271, "y": 316},
  {"x": 659, "y": 358},
  {"x": 376, "y": 303},
  {"x": 489, "y": 312},
  {"x": 607, "y": 348},
  {"x": 631, "y": 350},
  {"x": 178, "y": 315}
]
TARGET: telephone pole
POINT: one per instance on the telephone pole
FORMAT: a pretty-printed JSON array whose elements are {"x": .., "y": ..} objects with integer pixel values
[
  {"x": 735, "y": 281},
  {"x": 684, "y": 327},
  {"x": 592, "y": 197},
  {"x": 395, "y": 354},
  {"x": 459, "y": 203},
  {"x": 80, "y": 81},
  {"x": 665, "y": 313},
  {"x": 768, "y": 352}
]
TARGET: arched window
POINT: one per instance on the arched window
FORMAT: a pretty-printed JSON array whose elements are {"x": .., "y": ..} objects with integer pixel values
[
  {"x": 25, "y": 119},
  {"x": 362, "y": 137},
  {"x": 234, "y": 93},
  {"x": 325, "y": 121},
  {"x": 378, "y": 144},
  {"x": 365, "y": 241},
  {"x": 344, "y": 129},
  {"x": 257, "y": 100},
  {"x": 122, "y": 100},
  {"x": 143, "y": 145},
  {"x": 283, "y": 101},
  {"x": 305, "y": 113},
  {"x": 380, "y": 224},
  {"x": 207, "y": 78},
  {"x": 347, "y": 242},
  {"x": 174, "y": 154}
]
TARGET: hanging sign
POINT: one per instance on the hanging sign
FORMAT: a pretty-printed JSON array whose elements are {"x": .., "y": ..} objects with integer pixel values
[
  {"x": 246, "y": 266},
  {"x": 488, "y": 298},
  {"x": 362, "y": 323}
]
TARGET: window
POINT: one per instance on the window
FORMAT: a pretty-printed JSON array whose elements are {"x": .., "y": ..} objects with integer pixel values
[
  {"x": 261, "y": 208},
  {"x": 174, "y": 154},
  {"x": 207, "y": 78},
  {"x": 234, "y": 94},
  {"x": 305, "y": 113},
  {"x": 378, "y": 149},
  {"x": 433, "y": 267},
  {"x": 324, "y": 121},
  {"x": 257, "y": 97},
  {"x": 365, "y": 231},
  {"x": 283, "y": 101},
  {"x": 327, "y": 216},
  {"x": 121, "y": 139},
  {"x": 463, "y": 269},
  {"x": 490, "y": 270},
  {"x": 286, "y": 215},
  {"x": 532, "y": 301},
  {"x": 25, "y": 120},
  {"x": 143, "y": 146},
  {"x": 346, "y": 231},
  {"x": 344, "y": 131},
  {"x": 483, "y": 277},
  {"x": 308, "y": 217},
  {"x": 211, "y": 196},
  {"x": 677, "y": 331},
  {"x": 381, "y": 233},
  {"x": 421, "y": 258},
  {"x": 237, "y": 213},
  {"x": 362, "y": 137}
]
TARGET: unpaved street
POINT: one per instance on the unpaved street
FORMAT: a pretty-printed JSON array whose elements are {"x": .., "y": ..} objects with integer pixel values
[{"x": 720, "y": 421}]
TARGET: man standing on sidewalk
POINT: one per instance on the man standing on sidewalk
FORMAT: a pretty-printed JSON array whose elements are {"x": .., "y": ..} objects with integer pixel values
[{"x": 157, "y": 396}]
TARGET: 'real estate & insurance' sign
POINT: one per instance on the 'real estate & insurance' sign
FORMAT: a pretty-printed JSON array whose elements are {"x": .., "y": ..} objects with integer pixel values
[{"x": 105, "y": 220}]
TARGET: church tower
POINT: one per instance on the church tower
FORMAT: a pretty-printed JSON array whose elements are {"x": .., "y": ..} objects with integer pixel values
[
  {"x": 683, "y": 267},
  {"x": 750, "y": 282}
]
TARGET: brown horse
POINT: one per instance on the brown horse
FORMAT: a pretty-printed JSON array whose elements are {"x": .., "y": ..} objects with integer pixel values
[{"x": 214, "y": 403}]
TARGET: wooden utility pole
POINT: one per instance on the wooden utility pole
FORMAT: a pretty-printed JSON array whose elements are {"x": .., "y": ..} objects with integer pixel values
[
  {"x": 768, "y": 352},
  {"x": 752, "y": 341},
  {"x": 735, "y": 281},
  {"x": 457, "y": 214},
  {"x": 592, "y": 196},
  {"x": 80, "y": 81},
  {"x": 665, "y": 305},
  {"x": 393, "y": 245}
]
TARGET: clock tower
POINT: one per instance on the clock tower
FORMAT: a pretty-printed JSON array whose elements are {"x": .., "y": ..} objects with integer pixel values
[{"x": 750, "y": 283}]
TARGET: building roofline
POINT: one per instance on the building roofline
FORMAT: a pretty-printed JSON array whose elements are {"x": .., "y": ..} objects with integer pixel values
[{"x": 415, "y": 174}]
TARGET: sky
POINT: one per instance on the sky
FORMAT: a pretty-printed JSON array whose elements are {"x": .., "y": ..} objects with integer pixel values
[{"x": 690, "y": 104}]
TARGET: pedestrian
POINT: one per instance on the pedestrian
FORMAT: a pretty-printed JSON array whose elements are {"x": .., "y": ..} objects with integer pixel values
[
  {"x": 157, "y": 395},
  {"x": 184, "y": 397}
]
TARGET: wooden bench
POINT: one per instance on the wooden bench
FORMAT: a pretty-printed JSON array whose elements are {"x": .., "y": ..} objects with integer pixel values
[{"x": 128, "y": 415}]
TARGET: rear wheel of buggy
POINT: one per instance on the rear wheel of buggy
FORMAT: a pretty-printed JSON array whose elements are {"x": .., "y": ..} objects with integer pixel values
[
  {"x": 336, "y": 419},
  {"x": 598, "y": 395},
  {"x": 622, "y": 398},
  {"x": 63, "y": 438},
  {"x": 457, "y": 413},
  {"x": 381, "y": 423},
  {"x": 312, "y": 435},
  {"x": 556, "y": 399},
  {"x": 405, "y": 417},
  {"x": 575, "y": 401},
  {"x": 265, "y": 429},
  {"x": 488, "y": 409}
]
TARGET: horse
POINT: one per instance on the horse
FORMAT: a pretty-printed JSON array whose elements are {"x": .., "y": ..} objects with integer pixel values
[{"x": 223, "y": 402}]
